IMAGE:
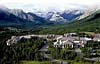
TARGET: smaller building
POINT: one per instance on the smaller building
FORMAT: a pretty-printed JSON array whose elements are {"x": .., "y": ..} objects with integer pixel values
[
  {"x": 13, "y": 40},
  {"x": 68, "y": 40},
  {"x": 63, "y": 43},
  {"x": 97, "y": 37},
  {"x": 79, "y": 44}
]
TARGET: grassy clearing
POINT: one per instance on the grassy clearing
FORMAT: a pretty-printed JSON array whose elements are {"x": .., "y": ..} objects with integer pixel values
[
  {"x": 47, "y": 62},
  {"x": 85, "y": 63},
  {"x": 79, "y": 62},
  {"x": 35, "y": 62}
]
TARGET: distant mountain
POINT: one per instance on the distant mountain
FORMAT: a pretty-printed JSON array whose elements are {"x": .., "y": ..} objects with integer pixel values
[
  {"x": 19, "y": 18},
  {"x": 61, "y": 17},
  {"x": 8, "y": 18},
  {"x": 90, "y": 23},
  {"x": 89, "y": 11},
  {"x": 67, "y": 15},
  {"x": 27, "y": 16}
]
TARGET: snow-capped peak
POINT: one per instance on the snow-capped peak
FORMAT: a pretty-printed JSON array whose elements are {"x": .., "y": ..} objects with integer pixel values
[
  {"x": 3, "y": 8},
  {"x": 90, "y": 10},
  {"x": 65, "y": 15}
]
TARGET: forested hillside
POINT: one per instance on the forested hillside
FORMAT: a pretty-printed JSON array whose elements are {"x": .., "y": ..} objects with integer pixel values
[{"x": 90, "y": 23}]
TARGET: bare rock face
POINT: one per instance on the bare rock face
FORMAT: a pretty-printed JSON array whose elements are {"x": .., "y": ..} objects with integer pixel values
[
  {"x": 65, "y": 16},
  {"x": 90, "y": 10},
  {"x": 16, "y": 17},
  {"x": 19, "y": 17}
]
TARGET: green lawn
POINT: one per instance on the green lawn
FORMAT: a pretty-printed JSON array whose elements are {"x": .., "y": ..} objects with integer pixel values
[
  {"x": 47, "y": 62},
  {"x": 79, "y": 62},
  {"x": 35, "y": 62},
  {"x": 85, "y": 63}
]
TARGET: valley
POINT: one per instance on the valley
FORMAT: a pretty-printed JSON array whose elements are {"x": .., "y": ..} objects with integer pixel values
[
  {"x": 67, "y": 43},
  {"x": 50, "y": 37}
]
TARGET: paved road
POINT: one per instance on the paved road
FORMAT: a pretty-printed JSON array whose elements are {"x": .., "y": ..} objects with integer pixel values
[
  {"x": 78, "y": 50},
  {"x": 45, "y": 49},
  {"x": 93, "y": 59}
]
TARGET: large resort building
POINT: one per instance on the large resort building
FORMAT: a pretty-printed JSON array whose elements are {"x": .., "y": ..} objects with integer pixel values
[
  {"x": 72, "y": 40},
  {"x": 69, "y": 40}
]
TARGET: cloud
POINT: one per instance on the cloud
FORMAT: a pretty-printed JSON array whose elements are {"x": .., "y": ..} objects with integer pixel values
[{"x": 29, "y": 5}]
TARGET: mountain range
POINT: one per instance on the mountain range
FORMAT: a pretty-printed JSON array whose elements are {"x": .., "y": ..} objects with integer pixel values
[
  {"x": 90, "y": 23},
  {"x": 19, "y": 18}
]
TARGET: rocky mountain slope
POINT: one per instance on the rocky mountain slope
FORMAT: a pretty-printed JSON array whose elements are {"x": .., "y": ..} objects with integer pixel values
[
  {"x": 61, "y": 17},
  {"x": 90, "y": 23},
  {"x": 19, "y": 18}
]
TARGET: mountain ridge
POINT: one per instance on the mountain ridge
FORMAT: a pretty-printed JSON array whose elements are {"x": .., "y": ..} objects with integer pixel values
[{"x": 17, "y": 17}]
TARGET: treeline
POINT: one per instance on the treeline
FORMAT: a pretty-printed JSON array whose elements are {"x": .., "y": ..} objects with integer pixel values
[
  {"x": 81, "y": 26},
  {"x": 25, "y": 49},
  {"x": 64, "y": 54},
  {"x": 91, "y": 49}
]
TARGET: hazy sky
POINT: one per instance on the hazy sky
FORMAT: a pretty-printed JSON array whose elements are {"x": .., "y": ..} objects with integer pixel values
[{"x": 29, "y": 5}]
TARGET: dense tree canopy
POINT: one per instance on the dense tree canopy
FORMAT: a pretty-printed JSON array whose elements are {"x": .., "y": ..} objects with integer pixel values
[{"x": 25, "y": 49}]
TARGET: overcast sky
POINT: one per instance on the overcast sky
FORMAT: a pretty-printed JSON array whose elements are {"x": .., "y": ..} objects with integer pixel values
[{"x": 29, "y": 5}]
